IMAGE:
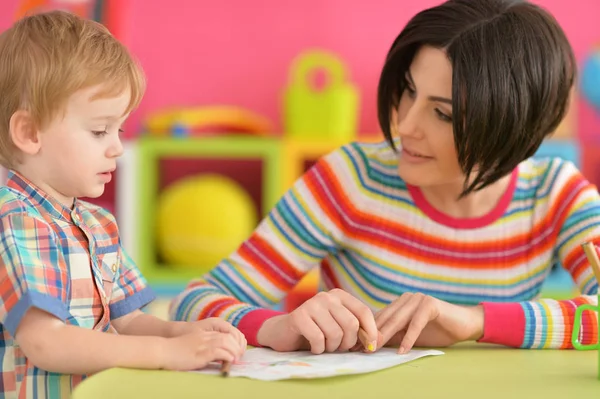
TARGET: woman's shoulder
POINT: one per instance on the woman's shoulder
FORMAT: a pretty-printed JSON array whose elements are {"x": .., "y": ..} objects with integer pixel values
[
  {"x": 550, "y": 174},
  {"x": 363, "y": 155}
]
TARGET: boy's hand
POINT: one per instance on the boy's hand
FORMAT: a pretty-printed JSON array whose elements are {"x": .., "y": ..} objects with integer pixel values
[
  {"x": 212, "y": 324},
  {"x": 195, "y": 350}
]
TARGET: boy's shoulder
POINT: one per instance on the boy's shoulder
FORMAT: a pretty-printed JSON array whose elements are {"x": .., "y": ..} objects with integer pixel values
[{"x": 13, "y": 202}]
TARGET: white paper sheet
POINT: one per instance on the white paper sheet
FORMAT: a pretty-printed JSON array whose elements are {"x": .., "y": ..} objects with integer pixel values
[{"x": 268, "y": 365}]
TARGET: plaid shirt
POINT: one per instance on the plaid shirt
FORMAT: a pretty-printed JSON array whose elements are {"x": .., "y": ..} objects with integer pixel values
[{"x": 67, "y": 262}]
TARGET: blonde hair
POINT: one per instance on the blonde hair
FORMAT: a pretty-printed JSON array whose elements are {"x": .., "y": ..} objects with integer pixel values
[{"x": 46, "y": 58}]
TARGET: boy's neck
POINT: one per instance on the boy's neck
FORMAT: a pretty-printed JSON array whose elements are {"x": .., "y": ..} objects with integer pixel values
[{"x": 41, "y": 183}]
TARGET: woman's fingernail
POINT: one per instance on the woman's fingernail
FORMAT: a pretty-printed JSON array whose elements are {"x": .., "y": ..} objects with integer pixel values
[
  {"x": 402, "y": 350},
  {"x": 372, "y": 345}
]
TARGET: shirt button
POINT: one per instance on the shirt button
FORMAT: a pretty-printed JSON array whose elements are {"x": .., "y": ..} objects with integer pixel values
[{"x": 114, "y": 267}]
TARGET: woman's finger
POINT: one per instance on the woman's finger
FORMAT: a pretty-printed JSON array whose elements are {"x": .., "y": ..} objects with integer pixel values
[
  {"x": 331, "y": 330},
  {"x": 420, "y": 319},
  {"x": 379, "y": 344},
  {"x": 363, "y": 314},
  {"x": 400, "y": 319},
  {"x": 306, "y": 326},
  {"x": 349, "y": 325},
  {"x": 384, "y": 314}
]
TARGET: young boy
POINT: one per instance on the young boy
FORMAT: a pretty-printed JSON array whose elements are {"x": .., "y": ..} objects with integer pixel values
[{"x": 70, "y": 296}]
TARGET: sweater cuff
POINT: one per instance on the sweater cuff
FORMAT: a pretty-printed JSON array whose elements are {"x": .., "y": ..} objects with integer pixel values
[
  {"x": 253, "y": 321},
  {"x": 504, "y": 324}
]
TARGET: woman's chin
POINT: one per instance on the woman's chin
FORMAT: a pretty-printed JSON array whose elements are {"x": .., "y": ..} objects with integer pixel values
[{"x": 414, "y": 175}]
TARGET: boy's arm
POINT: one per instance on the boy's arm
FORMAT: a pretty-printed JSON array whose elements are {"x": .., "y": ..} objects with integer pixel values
[
  {"x": 33, "y": 298},
  {"x": 140, "y": 323},
  {"x": 31, "y": 275},
  {"x": 52, "y": 345},
  {"x": 548, "y": 323},
  {"x": 34, "y": 286},
  {"x": 130, "y": 291}
]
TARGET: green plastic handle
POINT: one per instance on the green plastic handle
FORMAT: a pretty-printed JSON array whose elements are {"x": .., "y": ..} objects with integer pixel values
[
  {"x": 309, "y": 61},
  {"x": 575, "y": 337}
]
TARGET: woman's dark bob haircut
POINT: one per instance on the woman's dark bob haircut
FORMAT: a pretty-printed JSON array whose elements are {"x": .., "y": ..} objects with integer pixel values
[{"x": 513, "y": 70}]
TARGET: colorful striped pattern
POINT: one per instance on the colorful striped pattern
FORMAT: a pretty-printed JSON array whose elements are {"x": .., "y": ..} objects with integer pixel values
[{"x": 376, "y": 237}]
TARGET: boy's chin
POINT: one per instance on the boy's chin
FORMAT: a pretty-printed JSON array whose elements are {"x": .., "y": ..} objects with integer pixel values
[{"x": 94, "y": 192}]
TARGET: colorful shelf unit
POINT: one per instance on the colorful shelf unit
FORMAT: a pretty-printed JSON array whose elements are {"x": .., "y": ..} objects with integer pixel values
[{"x": 150, "y": 153}]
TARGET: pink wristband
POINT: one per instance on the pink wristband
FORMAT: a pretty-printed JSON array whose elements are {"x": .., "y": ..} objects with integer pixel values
[
  {"x": 504, "y": 324},
  {"x": 251, "y": 323}
]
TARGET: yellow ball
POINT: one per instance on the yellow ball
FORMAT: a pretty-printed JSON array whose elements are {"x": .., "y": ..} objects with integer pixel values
[{"x": 202, "y": 219}]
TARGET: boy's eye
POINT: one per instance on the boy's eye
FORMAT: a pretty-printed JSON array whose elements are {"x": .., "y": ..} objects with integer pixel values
[{"x": 99, "y": 132}]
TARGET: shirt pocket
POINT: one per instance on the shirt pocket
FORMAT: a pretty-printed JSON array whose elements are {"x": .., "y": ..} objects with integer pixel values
[{"x": 109, "y": 266}]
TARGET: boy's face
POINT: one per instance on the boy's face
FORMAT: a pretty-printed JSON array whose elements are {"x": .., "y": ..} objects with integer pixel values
[{"x": 79, "y": 151}]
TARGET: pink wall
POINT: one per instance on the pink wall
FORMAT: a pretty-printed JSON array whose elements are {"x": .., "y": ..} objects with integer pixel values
[{"x": 238, "y": 51}]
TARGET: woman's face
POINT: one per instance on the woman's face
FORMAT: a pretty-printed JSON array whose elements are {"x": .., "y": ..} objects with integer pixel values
[{"x": 423, "y": 123}]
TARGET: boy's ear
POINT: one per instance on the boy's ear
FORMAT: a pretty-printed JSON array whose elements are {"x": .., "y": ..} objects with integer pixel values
[{"x": 24, "y": 133}]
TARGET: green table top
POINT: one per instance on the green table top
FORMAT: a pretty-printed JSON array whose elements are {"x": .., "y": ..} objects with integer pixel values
[{"x": 465, "y": 371}]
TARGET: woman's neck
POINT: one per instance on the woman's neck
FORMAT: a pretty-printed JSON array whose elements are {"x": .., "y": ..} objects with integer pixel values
[{"x": 444, "y": 198}]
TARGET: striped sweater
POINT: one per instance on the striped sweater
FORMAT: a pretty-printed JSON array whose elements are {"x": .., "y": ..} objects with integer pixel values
[{"x": 377, "y": 237}]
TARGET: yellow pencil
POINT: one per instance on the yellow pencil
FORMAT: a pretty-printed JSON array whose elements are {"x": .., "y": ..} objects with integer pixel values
[
  {"x": 364, "y": 340},
  {"x": 225, "y": 367},
  {"x": 590, "y": 252}
]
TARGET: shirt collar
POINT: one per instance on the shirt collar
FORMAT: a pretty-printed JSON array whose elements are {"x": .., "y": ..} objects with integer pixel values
[{"x": 39, "y": 198}]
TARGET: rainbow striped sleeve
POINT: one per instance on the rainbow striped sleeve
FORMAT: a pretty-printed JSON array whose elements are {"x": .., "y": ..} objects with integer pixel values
[
  {"x": 547, "y": 323},
  {"x": 296, "y": 235}
]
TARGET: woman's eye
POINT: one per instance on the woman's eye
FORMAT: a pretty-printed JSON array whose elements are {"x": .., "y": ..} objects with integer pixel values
[{"x": 443, "y": 116}]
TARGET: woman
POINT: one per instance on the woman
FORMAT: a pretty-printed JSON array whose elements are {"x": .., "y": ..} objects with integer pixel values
[{"x": 446, "y": 231}]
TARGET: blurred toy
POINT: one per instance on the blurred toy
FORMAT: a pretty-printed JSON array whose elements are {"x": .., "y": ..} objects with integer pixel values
[
  {"x": 590, "y": 79},
  {"x": 83, "y": 8},
  {"x": 207, "y": 120},
  {"x": 201, "y": 219},
  {"x": 330, "y": 112}
]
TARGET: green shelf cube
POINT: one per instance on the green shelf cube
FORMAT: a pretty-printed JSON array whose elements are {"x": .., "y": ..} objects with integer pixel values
[{"x": 152, "y": 149}]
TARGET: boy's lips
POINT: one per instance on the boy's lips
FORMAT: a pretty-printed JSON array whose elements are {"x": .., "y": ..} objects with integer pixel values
[{"x": 106, "y": 176}]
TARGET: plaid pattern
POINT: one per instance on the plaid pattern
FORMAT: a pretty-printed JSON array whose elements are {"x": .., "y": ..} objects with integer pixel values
[{"x": 67, "y": 262}]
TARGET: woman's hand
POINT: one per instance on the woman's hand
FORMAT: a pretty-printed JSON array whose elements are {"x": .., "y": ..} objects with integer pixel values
[
  {"x": 328, "y": 322},
  {"x": 421, "y": 320}
]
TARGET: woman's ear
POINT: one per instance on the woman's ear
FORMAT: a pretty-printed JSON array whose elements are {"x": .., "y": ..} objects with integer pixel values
[{"x": 24, "y": 133}]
